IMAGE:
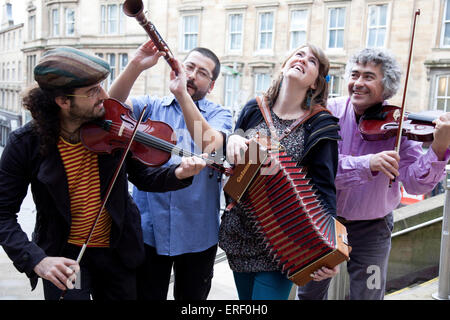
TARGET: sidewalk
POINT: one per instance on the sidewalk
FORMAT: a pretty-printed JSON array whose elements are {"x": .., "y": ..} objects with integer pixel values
[
  {"x": 16, "y": 286},
  {"x": 13, "y": 284}
]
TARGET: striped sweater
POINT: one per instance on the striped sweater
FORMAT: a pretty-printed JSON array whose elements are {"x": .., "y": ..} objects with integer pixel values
[{"x": 81, "y": 168}]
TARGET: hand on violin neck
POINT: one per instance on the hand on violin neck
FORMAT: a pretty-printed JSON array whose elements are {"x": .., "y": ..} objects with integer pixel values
[
  {"x": 441, "y": 141},
  {"x": 190, "y": 166},
  {"x": 385, "y": 162}
]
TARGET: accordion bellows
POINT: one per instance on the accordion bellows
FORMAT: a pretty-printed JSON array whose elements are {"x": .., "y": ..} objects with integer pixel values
[{"x": 296, "y": 229}]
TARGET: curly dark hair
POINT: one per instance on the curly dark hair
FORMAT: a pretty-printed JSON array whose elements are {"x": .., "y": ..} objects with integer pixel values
[{"x": 46, "y": 114}]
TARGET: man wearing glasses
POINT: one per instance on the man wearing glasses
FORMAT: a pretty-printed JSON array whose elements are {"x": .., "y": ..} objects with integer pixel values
[
  {"x": 180, "y": 228},
  {"x": 68, "y": 183}
]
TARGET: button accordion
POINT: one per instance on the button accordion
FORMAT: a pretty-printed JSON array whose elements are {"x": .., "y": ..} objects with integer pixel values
[{"x": 281, "y": 201}]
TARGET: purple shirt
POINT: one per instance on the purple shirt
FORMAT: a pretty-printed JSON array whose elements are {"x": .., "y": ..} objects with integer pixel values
[{"x": 363, "y": 195}]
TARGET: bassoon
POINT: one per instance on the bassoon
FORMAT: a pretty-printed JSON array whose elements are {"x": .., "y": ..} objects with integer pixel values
[{"x": 135, "y": 9}]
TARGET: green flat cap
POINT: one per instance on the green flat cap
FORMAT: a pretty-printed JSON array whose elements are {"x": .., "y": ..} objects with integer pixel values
[{"x": 70, "y": 68}]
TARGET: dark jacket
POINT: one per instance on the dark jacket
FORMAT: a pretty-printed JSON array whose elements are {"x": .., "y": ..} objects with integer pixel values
[
  {"x": 21, "y": 164},
  {"x": 320, "y": 154}
]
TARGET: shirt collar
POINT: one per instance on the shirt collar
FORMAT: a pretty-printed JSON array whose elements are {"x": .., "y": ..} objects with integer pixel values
[{"x": 168, "y": 100}]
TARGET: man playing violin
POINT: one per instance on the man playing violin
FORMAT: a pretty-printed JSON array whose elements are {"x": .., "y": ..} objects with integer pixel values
[
  {"x": 180, "y": 227},
  {"x": 68, "y": 182},
  {"x": 364, "y": 199}
]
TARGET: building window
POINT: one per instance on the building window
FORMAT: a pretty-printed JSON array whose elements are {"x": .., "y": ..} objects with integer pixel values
[
  {"x": 442, "y": 100},
  {"x": 19, "y": 70},
  {"x": 298, "y": 27},
  {"x": 377, "y": 25},
  {"x": 31, "y": 63},
  {"x": 70, "y": 22},
  {"x": 55, "y": 22},
  {"x": 334, "y": 86},
  {"x": 32, "y": 27},
  {"x": 117, "y": 62},
  {"x": 445, "y": 37},
  {"x": 235, "y": 31},
  {"x": 189, "y": 32},
  {"x": 336, "y": 24},
  {"x": 265, "y": 31},
  {"x": 112, "y": 19},
  {"x": 13, "y": 71},
  {"x": 5, "y": 130},
  {"x": 113, "y": 22},
  {"x": 231, "y": 90},
  {"x": 262, "y": 83},
  {"x": 123, "y": 61},
  {"x": 111, "y": 59}
]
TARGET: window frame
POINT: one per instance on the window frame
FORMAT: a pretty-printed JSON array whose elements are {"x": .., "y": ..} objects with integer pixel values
[
  {"x": 272, "y": 31},
  {"x": 230, "y": 33},
  {"x": 343, "y": 28},
  {"x": 107, "y": 18},
  {"x": 306, "y": 30},
  {"x": 55, "y": 22},
  {"x": 446, "y": 90},
  {"x": 32, "y": 27},
  {"x": 443, "y": 24},
  {"x": 68, "y": 22},
  {"x": 183, "y": 32},
  {"x": 377, "y": 27},
  {"x": 264, "y": 73}
]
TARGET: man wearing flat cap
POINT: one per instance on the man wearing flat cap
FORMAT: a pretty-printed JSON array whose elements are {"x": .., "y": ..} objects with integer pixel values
[{"x": 68, "y": 183}]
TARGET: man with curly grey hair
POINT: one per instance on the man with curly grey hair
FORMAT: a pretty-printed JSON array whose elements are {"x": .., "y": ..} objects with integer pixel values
[{"x": 364, "y": 199}]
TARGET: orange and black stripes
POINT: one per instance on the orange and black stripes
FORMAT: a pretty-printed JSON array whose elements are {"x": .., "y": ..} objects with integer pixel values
[{"x": 84, "y": 189}]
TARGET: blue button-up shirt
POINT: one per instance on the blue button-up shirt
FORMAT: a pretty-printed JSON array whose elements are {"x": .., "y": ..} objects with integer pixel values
[{"x": 186, "y": 220}]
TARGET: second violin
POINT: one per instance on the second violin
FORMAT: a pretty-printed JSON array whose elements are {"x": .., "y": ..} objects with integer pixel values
[{"x": 382, "y": 122}]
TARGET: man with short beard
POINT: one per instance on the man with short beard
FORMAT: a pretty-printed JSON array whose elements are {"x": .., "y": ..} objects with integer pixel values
[
  {"x": 180, "y": 228},
  {"x": 68, "y": 183}
]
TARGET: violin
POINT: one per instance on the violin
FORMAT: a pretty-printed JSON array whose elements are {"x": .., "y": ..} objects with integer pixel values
[
  {"x": 382, "y": 122},
  {"x": 153, "y": 144}
]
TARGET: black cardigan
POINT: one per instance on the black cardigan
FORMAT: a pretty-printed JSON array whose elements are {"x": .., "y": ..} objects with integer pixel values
[
  {"x": 320, "y": 153},
  {"x": 21, "y": 164}
]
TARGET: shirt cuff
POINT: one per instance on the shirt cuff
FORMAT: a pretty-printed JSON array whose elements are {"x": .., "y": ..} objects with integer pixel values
[{"x": 432, "y": 157}]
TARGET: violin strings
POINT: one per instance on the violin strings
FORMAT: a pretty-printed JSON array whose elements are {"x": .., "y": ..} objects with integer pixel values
[{"x": 157, "y": 143}]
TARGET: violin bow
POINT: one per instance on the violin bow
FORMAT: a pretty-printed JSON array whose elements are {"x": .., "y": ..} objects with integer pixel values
[
  {"x": 108, "y": 192},
  {"x": 402, "y": 109}
]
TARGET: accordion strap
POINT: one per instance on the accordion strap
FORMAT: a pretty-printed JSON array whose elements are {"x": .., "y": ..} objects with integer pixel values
[{"x": 262, "y": 104}]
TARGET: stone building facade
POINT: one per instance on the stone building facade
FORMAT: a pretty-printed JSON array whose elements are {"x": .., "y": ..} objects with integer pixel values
[
  {"x": 251, "y": 38},
  {"x": 11, "y": 74}
]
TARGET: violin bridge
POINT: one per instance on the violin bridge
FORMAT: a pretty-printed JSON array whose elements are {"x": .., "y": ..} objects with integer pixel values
[
  {"x": 122, "y": 127},
  {"x": 396, "y": 115}
]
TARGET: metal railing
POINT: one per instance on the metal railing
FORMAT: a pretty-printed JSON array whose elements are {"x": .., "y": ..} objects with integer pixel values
[{"x": 444, "y": 262}]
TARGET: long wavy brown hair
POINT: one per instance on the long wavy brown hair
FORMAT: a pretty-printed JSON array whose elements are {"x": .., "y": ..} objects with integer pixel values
[
  {"x": 46, "y": 114},
  {"x": 320, "y": 94}
]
